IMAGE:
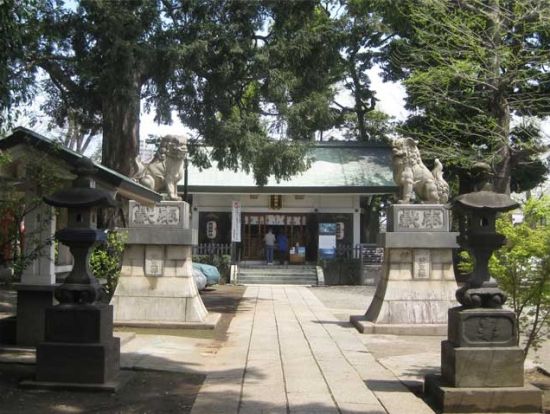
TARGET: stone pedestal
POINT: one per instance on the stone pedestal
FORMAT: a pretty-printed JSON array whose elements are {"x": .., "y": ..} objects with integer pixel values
[
  {"x": 79, "y": 347},
  {"x": 32, "y": 302},
  {"x": 35, "y": 292},
  {"x": 156, "y": 286},
  {"x": 418, "y": 284},
  {"x": 79, "y": 351},
  {"x": 481, "y": 366}
]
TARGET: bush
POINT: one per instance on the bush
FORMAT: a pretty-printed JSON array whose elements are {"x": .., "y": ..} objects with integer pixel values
[
  {"x": 522, "y": 268},
  {"x": 106, "y": 261},
  {"x": 223, "y": 263}
]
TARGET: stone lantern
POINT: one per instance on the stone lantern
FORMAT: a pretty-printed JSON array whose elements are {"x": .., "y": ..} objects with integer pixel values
[
  {"x": 481, "y": 362},
  {"x": 477, "y": 217},
  {"x": 79, "y": 350},
  {"x": 82, "y": 202}
]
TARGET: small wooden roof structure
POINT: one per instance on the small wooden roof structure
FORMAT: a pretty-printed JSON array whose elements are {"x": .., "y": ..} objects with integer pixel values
[{"x": 23, "y": 143}]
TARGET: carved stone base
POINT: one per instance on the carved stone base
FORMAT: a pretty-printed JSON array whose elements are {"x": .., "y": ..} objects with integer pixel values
[
  {"x": 481, "y": 327},
  {"x": 416, "y": 289},
  {"x": 481, "y": 367},
  {"x": 156, "y": 287},
  {"x": 448, "y": 399},
  {"x": 418, "y": 329},
  {"x": 79, "y": 346},
  {"x": 417, "y": 285}
]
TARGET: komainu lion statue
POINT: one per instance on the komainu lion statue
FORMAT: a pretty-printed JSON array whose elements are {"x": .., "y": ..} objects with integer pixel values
[
  {"x": 166, "y": 168},
  {"x": 410, "y": 174}
]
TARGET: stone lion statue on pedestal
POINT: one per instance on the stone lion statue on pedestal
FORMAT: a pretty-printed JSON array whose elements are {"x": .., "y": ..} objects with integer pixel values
[
  {"x": 410, "y": 174},
  {"x": 166, "y": 168}
]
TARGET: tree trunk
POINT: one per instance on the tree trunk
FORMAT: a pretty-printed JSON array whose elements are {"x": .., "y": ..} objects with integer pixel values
[
  {"x": 121, "y": 131},
  {"x": 503, "y": 171},
  {"x": 500, "y": 107},
  {"x": 359, "y": 111}
]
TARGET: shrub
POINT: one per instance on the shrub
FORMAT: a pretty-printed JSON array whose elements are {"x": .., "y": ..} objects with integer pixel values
[
  {"x": 522, "y": 268},
  {"x": 106, "y": 261}
]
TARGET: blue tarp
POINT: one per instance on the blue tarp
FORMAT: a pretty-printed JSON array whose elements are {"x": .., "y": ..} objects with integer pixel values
[{"x": 211, "y": 272}]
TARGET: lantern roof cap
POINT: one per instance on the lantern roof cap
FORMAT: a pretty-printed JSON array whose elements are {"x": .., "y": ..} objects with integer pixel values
[
  {"x": 83, "y": 192},
  {"x": 81, "y": 197},
  {"x": 485, "y": 200}
]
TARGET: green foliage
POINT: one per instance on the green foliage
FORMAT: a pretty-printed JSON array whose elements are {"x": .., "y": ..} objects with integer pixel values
[
  {"x": 106, "y": 261},
  {"x": 465, "y": 264},
  {"x": 468, "y": 67},
  {"x": 16, "y": 83},
  {"x": 522, "y": 268},
  {"x": 376, "y": 127},
  {"x": 237, "y": 73},
  {"x": 362, "y": 34},
  {"x": 222, "y": 262}
]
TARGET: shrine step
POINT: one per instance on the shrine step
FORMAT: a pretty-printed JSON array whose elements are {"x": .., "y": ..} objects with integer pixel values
[{"x": 277, "y": 275}]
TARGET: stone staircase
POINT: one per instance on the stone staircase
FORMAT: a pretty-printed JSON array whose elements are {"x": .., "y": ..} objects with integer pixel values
[{"x": 277, "y": 275}]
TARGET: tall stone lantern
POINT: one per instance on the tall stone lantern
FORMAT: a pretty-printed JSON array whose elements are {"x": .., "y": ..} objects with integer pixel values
[
  {"x": 477, "y": 213},
  {"x": 79, "y": 350},
  {"x": 481, "y": 362}
]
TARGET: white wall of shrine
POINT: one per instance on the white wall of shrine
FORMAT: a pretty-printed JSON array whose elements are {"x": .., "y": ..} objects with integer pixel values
[
  {"x": 291, "y": 203},
  {"x": 296, "y": 202}
]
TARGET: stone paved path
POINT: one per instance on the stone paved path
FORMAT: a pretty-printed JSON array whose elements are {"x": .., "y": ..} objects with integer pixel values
[{"x": 287, "y": 353}]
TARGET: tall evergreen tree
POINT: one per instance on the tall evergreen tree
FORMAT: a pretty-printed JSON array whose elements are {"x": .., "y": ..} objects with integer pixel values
[
  {"x": 234, "y": 70},
  {"x": 363, "y": 34},
  {"x": 469, "y": 67},
  {"x": 16, "y": 81}
]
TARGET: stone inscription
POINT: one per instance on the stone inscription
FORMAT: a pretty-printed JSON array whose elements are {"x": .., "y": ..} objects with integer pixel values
[
  {"x": 421, "y": 267},
  {"x": 488, "y": 329},
  {"x": 159, "y": 215},
  {"x": 154, "y": 267},
  {"x": 425, "y": 219}
]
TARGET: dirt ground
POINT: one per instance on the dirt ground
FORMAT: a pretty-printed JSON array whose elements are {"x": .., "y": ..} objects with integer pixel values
[{"x": 143, "y": 392}]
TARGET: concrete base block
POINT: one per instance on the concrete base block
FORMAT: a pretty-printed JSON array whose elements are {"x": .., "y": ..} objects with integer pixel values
[
  {"x": 210, "y": 322},
  {"x": 364, "y": 326},
  {"x": 447, "y": 399},
  {"x": 481, "y": 367},
  {"x": 414, "y": 302},
  {"x": 80, "y": 347},
  {"x": 78, "y": 363},
  {"x": 416, "y": 289},
  {"x": 111, "y": 386},
  {"x": 32, "y": 302},
  {"x": 166, "y": 300}
]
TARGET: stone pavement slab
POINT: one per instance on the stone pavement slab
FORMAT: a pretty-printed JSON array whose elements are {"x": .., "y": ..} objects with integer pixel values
[{"x": 297, "y": 357}]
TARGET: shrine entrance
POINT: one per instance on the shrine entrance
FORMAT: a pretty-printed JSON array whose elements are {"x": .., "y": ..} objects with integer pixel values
[{"x": 256, "y": 225}]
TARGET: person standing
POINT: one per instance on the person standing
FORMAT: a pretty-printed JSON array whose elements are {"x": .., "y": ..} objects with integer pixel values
[
  {"x": 282, "y": 246},
  {"x": 269, "y": 240}
]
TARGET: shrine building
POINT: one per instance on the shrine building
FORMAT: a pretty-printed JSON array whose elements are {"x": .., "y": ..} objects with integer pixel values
[{"x": 337, "y": 187}]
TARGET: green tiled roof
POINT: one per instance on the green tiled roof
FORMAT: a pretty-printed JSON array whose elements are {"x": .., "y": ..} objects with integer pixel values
[{"x": 343, "y": 168}]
